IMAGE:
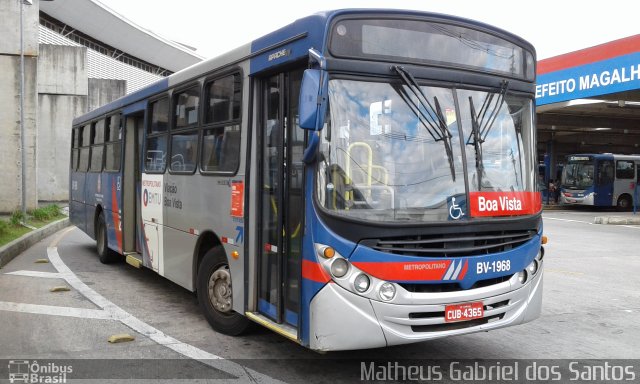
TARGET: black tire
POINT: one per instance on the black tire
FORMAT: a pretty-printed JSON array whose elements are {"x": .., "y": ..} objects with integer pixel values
[
  {"x": 624, "y": 203},
  {"x": 215, "y": 295},
  {"x": 106, "y": 255}
]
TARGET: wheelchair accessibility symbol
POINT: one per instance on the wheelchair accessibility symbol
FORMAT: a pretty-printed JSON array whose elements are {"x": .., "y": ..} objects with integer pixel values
[{"x": 455, "y": 212}]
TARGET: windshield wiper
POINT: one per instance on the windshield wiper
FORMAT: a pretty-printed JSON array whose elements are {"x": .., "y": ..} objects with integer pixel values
[
  {"x": 480, "y": 127},
  {"x": 431, "y": 117}
]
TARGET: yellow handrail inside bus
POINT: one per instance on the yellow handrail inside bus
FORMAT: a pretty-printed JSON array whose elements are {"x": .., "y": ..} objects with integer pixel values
[
  {"x": 274, "y": 206},
  {"x": 368, "y": 170}
]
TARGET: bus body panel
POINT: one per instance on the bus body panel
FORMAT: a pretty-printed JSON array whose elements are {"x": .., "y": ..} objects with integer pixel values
[
  {"x": 177, "y": 260},
  {"x": 111, "y": 191},
  {"x": 77, "y": 207}
]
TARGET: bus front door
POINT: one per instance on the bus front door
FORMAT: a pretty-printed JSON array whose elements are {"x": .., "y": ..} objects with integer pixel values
[
  {"x": 604, "y": 184},
  {"x": 281, "y": 200}
]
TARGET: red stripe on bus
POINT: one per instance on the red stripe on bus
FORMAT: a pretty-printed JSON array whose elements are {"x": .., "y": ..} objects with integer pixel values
[
  {"x": 406, "y": 271},
  {"x": 315, "y": 272},
  {"x": 464, "y": 270},
  {"x": 487, "y": 204},
  {"x": 116, "y": 216},
  {"x": 590, "y": 55}
]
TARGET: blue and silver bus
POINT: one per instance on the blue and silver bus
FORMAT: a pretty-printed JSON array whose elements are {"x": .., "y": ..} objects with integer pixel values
[
  {"x": 602, "y": 180},
  {"x": 356, "y": 179}
]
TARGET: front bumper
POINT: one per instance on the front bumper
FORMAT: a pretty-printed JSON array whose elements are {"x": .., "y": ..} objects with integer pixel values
[
  {"x": 341, "y": 320},
  {"x": 577, "y": 198}
]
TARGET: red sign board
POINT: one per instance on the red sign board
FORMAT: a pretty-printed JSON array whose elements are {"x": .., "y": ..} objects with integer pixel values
[{"x": 485, "y": 204}]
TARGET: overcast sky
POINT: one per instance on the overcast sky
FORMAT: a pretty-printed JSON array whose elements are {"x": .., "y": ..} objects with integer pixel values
[{"x": 217, "y": 26}]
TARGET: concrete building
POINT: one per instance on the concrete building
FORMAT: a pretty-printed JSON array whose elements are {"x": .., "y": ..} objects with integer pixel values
[{"x": 78, "y": 55}]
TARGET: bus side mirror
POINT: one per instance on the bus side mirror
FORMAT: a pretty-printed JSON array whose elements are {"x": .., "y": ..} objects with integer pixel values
[{"x": 313, "y": 99}]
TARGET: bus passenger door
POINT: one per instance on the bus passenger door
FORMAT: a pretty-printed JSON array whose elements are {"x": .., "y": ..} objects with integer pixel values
[
  {"x": 281, "y": 200},
  {"x": 604, "y": 184},
  {"x": 131, "y": 183}
]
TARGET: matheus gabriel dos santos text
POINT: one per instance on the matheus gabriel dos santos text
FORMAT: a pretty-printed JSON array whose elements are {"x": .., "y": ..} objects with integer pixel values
[{"x": 482, "y": 371}]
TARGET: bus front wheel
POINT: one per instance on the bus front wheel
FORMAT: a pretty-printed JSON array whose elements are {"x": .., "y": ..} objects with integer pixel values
[
  {"x": 624, "y": 203},
  {"x": 105, "y": 254},
  {"x": 215, "y": 294}
]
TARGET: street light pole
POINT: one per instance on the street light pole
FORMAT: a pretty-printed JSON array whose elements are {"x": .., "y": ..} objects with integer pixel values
[{"x": 23, "y": 139}]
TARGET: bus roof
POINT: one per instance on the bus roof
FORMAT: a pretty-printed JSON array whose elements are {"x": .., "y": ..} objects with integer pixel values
[
  {"x": 605, "y": 156},
  {"x": 291, "y": 42}
]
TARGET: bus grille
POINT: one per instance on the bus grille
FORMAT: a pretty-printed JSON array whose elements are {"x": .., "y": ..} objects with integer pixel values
[
  {"x": 451, "y": 287},
  {"x": 495, "y": 311},
  {"x": 452, "y": 245}
]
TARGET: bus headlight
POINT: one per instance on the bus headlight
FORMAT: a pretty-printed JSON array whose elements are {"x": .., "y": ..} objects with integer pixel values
[
  {"x": 361, "y": 283},
  {"x": 532, "y": 268},
  {"x": 387, "y": 291},
  {"x": 339, "y": 267},
  {"x": 522, "y": 277}
]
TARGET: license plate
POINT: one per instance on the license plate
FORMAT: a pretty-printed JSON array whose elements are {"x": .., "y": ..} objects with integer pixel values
[{"x": 463, "y": 312}]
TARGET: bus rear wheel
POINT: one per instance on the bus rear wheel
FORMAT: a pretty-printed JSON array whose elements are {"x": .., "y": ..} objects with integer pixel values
[
  {"x": 215, "y": 294},
  {"x": 105, "y": 254},
  {"x": 624, "y": 203}
]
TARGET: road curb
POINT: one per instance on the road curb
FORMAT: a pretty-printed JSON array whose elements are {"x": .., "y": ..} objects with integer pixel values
[
  {"x": 21, "y": 244},
  {"x": 617, "y": 220}
]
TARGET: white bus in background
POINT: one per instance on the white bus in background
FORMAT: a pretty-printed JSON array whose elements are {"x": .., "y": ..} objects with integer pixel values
[{"x": 601, "y": 180}]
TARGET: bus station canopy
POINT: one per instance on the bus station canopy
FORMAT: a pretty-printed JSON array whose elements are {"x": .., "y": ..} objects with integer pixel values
[
  {"x": 589, "y": 100},
  {"x": 100, "y": 22}
]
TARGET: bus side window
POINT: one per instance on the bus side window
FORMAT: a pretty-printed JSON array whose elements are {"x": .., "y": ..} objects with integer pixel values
[
  {"x": 221, "y": 137},
  {"x": 624, "y": 169},
  {"x": 156, "y": 144},
  {"x": 75, "y": 148},
  {"x": 221, "y": 149},
  {"x": 183, "y": 151},
  {"x": 85, "y": 147}
]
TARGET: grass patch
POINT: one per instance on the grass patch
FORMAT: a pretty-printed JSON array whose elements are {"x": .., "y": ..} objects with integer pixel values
[
  {"x": 46, "y": 213},
  {"x": 12, "y": 229}
]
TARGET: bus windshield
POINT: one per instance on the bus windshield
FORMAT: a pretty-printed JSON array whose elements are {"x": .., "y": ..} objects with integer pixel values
[
  {"x": 578, "y": 174},
  {"x": 388, "y": 156}
]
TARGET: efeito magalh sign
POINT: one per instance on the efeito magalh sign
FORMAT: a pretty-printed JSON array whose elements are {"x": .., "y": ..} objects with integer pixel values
[{"x": 604, "y": 69}]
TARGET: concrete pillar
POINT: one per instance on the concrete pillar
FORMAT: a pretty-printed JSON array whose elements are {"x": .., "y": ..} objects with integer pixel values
[
  {"x": 10, "y": 142},
  {"x": 55, "y": 116},
  {"x": 62, "y": 96}
]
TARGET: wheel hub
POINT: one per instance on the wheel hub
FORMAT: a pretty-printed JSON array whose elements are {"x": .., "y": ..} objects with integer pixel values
[{"x": 219, "y": 289}]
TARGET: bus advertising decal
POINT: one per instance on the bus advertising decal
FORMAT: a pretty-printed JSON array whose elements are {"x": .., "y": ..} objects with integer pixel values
[
  {"x": 485, "y": 204},
  {"x": 410, "y": 271},
  {"x": 237, "y": 198},
  {"x": 152, "y": 216}
]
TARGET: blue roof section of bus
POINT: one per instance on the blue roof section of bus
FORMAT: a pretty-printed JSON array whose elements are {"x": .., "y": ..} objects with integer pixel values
[
  {"x": 302, "y": 34},
  {"x": 310, "y": 30},
  {"x": 314, "y": 28}
]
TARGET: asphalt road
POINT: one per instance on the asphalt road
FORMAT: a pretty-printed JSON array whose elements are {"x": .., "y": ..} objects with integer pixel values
[{"x": 591, "y": 311}]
